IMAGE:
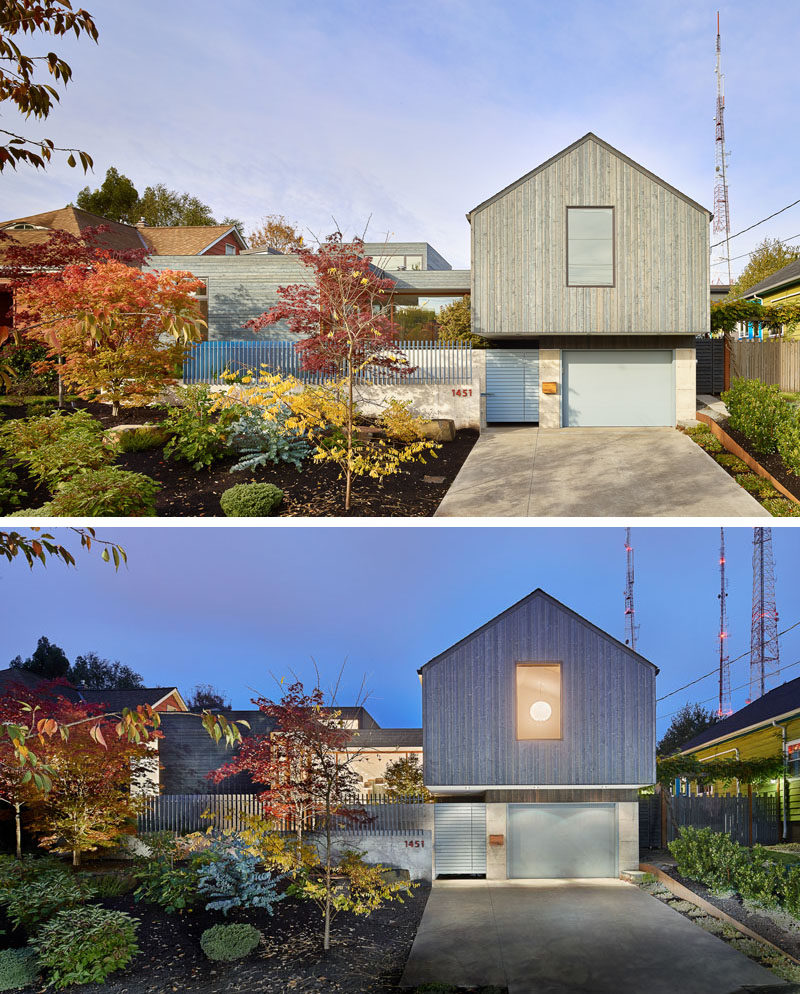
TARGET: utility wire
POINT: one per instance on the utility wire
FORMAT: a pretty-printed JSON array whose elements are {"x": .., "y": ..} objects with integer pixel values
[
  {"x": 781, "y": 241},
  {"x": 763, "y": 219},
  {"x": 715, "y": 671},
  {"x": 741, "y": 686}
]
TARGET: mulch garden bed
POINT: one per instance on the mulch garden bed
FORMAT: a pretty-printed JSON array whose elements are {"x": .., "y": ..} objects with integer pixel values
[
  {"x": 317, "y": 491},
  {"x": 772, "y": 463},
  {"x": 367, "y": 955}
]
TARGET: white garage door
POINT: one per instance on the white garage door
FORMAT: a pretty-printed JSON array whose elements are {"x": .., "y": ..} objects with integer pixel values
[
  {"x": 460, "y": 838},
  {"x": 618, "y": 387},
  {"x": 562, "y": 840}
]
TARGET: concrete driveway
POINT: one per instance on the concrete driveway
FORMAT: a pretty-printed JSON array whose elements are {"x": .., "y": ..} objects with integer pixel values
[
  {"x": 593, "y": 472},
  {"x": 554, "y": 936}
]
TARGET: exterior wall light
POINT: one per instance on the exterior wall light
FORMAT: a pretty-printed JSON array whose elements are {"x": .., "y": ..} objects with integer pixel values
[{"x": 540, "y": 711}]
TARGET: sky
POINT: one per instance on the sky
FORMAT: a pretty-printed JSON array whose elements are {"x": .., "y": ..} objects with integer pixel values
[
  {"x": 237, "y": 607},
  {"x": 404, "y": 116}
]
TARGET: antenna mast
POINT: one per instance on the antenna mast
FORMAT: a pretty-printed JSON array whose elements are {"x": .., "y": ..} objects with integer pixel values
[
  {"x": 631, "y": 628},
  {"x": 764, "y": 654},
  {"x": 724, "y": 659},
  {"x": 722, "y": 219}
]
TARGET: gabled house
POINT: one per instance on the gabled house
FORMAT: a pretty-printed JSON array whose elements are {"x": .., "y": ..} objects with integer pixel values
[
  {"x": 779, "y": 287},
  {"x": 591, "y": 276},
  {"x": 538, "y": 730},
  {"x": 768, "y": 726}
]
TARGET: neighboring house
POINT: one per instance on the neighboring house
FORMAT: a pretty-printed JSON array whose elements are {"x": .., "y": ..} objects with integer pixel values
[
  {"x": 538, "y": 731},
  {"x": 781, "y": 286},
  {"x": 768, "y": 726},
  {"x": 592, "y": 273},
  {"x": 719, "y": 291},
  {"x": 161, "y": 699},
  {"x": 377, "y": 748}
]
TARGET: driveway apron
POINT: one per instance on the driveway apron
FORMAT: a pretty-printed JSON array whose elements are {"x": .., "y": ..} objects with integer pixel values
[
  {"x": 593, "y": 472},
  {"x": 559, "y": 936}
]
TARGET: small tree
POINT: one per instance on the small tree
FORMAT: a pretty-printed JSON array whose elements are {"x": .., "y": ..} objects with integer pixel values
[
  {"x": 455, "y": 324},
  {"x": 404, "y": 778},
  {"x": 691, "y": 720},
  {"x": 277, "y": 233},
  {"x": 765, "y": 259},
  {"x": 117, "y": 198},
  {"x": 107, "y": 325},
  {"x": 205, "y": 697},
  {"x": 344, "y": 336},
  {"x": 161, "y": 207},
  {"x": 48, "y": 661},
  {"x": 101, "y": 674}
]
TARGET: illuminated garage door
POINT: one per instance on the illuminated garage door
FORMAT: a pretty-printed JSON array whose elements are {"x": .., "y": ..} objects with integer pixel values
[
  {"x": 618, "y": 388},
  {"x": 562, "y": 840}
]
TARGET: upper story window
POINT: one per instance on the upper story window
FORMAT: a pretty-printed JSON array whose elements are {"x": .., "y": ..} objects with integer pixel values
[
  {"x": 398, "y": 262},
  {"x": 230, "y": 249},
  {"x": 590, "y": 246},
  {"x": 538, "y": 694},
  {"x": 793, "y": 757}
]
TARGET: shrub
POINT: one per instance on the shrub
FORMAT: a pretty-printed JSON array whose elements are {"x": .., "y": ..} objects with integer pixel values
[
  {"x": 779, "y": 507},
  {"x": 250, "y": 500},
  {"x": 260, "y": 441},
  {"x": 232, "y": 879},
  {"x": 143, "y": 438},
  {"x": 109, "y": 492},
  {"x": 110, "y": 884},
  {"x": 25, "y": 380},
  {"x": 57, "y": 447},
  {"x": 756, "y": 485},
  {"x": 10, "y": 493},
  {"x": 787, "y": 442},
  {"x": 35, "y": 900},
  {"x": 85, "y": 945},
  {"x": 758, "y": 411},
  {"x": 713, "y": 858},
  {"x": 274, "y": 850},
  {"x": 197, "y": 435},
  {"x": 760, "y": 879},
  {"x": 165, "y": 881},
  {"x": 705, "y": 438},
  {"x": 18, "y": 968},
  {"x": 732, "y": 462},
  {"x": 229, "y": 942}
]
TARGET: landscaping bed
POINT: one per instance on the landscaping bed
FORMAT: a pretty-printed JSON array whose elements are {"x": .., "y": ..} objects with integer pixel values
[
  {"x": 772, "y": 462},
  {"x": 316, "y": 491}
]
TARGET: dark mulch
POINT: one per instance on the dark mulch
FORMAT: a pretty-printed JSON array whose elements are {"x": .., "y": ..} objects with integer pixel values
[
  {"x": 788, "y": 941},
  {"x": 317, "y": 491},
  {"x": 772, "y": 463},
  {"x": 367, "y": 954}
]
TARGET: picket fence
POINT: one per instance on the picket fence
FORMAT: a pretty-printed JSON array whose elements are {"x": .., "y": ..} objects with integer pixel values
[
  {"x": 184, "y": 813},
  {"x": 431, "y": 363},
  {"x": 720, "y": 814}
]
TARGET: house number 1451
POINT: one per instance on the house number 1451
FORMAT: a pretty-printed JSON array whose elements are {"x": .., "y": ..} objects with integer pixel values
[
  {"x": 415, "y": 843},
  {"x": 462, "y": 391}
]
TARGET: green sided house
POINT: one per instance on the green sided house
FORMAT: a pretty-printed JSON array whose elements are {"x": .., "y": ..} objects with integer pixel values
[
  {"x": 590, "y": 277},
  {"x": 538, "y": 729}
]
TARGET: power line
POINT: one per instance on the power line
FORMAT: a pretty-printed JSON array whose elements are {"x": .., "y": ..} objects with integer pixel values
[
  {"x": 715, "y": 671},
  {"x": 763, "y": 219},
  {"x": 781, "y": 241}
]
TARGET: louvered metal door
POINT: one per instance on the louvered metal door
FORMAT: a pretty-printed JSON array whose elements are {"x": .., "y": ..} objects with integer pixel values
[
  {"x": 460, "y": 838},
  {"x": 512, "y": 385}
]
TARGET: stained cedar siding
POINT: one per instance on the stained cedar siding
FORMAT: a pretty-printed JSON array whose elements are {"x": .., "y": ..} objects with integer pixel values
[
  {"x": 608, "y": 706},
  {"x": 519, "y": 254},
  {"x": 219, "y": 248}
]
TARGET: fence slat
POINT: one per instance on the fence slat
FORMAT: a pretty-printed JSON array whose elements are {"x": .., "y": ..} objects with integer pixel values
[{"x": 719, "y": 813}]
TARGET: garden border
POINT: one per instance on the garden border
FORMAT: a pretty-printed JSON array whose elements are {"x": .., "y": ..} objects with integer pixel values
[
  {"x": 735, "y": 449},
  {"x": 685, "y": 894}
]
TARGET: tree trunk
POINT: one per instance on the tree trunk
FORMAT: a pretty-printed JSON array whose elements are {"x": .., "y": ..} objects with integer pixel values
[
  {"x": 349, "y": 473},
  {"x": 60, "y": 384},
  {"x": 76, "y": 857},
  {"x": 18, "y": 830},
  {"x": 114, "y": 408},
  {"x": 326, "y": 941}
]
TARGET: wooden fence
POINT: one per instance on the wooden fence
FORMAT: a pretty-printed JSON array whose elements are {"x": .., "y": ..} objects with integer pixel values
[
  {"x": 773, "y": 360},
  {"x": 431, "y": 362},
  {"x": 720, "y": 814},
  {"x": 184, "y": 813}
]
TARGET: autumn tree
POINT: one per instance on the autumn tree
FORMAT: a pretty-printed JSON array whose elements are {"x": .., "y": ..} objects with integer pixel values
[
  {"x": 765, "y": 259},
  {"x": 404, "y": 778},
  {"x": 116, "y": 198},
  {"x": 455, "y": 324},
  {"x": 20, "y": 85},
  {"x": 48, "y": 661},
  {"x": 104, "y": 328},
  {"x": 277, "y": 233},
  {"x": 688, "y": 722},
  {"x": 343, "y": 336},
  {"x": 205, "y": 697},
  {"x": 307, "y": 766},
  {"x": 95, "y": 673}
]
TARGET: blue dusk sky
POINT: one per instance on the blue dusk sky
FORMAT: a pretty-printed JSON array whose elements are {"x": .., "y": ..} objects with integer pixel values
[
  {"x": 230, "y": 606},
  {"x": 410, "y": 114}
]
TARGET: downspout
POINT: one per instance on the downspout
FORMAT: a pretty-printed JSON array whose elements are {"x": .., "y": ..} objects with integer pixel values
[
  {"x": 785, "y": 799},
  {"x": 718, "y": 754}
]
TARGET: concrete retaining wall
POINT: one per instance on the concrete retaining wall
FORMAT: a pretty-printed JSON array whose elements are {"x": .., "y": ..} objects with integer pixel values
[
  {"x": 412, "y": 852},
  {"x": 428, "y": 400}
]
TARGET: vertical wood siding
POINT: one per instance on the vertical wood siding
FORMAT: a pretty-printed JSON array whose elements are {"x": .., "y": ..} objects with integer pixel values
[
  {"x": 519, "y": 254},
  {"x": 608, "y": 705}
]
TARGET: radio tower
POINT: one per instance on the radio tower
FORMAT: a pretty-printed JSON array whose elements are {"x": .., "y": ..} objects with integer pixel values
[
  {"x": 764, "y": 655},
  {"x": 722, "y": 219},
  {"x": 724, "y": 660},
  {"x": 631, "y": 628}
]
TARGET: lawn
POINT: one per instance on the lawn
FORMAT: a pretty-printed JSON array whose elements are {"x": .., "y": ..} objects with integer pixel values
[{"x": 314, "y": 491}]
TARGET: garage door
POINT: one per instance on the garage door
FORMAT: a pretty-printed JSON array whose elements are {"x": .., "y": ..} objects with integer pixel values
[
  {"x": 562, "y": 840},
  {"x": 460, "y": 838},
  {"x": 512, "y": 385},
  {"x": 620, "y": 387}
]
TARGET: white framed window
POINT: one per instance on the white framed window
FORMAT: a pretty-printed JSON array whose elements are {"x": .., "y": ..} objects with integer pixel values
[
  {"x": 590, "y": 246},
  {"x": 793, "y": 758},
  {"x": 230, "y": 249}
]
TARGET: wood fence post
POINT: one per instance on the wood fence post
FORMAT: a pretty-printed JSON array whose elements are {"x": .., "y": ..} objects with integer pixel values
[
  {"x": 750, "y": 815},
  {"x": 663, "y": 818}
]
